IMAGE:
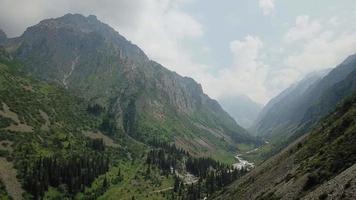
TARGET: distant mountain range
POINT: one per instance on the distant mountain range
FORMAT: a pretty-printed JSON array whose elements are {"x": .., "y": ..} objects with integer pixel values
[
  {"x": 242, "y": 109},
  {"x": 311, "y": 129},
  {"x": 303, "y": 104},
  {"x": 274, "y": 115},
  {"x": 319, "y": 165}
]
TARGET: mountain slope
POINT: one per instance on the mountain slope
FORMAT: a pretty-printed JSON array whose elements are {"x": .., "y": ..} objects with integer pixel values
[
  {"x": 242, "y": 109},
  {"x": 277, "y": 113},
  {"x": 139, "y": 97},
  {"x": 299, "y": 108},
  {"x": 320, "y": 165},
  {"x": 37, "y": 122},
  {"x": 51, "y": 146}
]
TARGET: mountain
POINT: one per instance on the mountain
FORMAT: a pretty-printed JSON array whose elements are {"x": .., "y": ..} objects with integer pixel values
[
  {"x": 242, "y": 109},
  {"x": 319, "y": 165},
  {"x": 51, "y": 146},
  {"x": 55, "y": 145},
  {"x": 275, "y": 114},
  {"x": 302, "y": 105},
  {"x": 138, "y": 96}
]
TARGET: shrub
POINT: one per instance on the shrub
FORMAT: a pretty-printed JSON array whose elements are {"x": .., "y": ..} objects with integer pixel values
[
  {"x": 323, "y": 196},
  {"x": 312, "y": 180}
]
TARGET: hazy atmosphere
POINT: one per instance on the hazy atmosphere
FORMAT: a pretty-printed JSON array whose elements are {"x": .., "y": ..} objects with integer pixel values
[
  {"x": 257, "y": 48},
  {"x": 177, "y": 100}
]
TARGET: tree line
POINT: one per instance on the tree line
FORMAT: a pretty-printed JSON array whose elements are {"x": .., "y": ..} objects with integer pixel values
[
  {"x": 71, "y": 174},
  {"x": 212, "y": 175}
]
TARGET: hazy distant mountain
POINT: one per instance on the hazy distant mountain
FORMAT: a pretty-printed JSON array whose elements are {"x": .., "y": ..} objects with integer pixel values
[
  {"x": 242, "y": 109},
  {"x": 296, "y": 110},
  {"x": 276, "y": 116},
  {"x": 303, "y": 104}
]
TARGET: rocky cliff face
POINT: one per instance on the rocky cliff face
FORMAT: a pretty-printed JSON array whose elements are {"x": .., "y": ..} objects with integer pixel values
[{"x": 145, "y": 99}]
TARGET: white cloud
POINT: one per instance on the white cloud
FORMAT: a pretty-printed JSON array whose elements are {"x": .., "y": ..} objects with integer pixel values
[
  {"x": 304, "y": 29},
  {"x": 310, "y": 45},
  {"x": 267, "y": 6},
  {"x": 160, "y": 27},
  {"x": 324, "y": 45},
  {"x": 246, "y": 75},
  {"x": 159, "y": 32},
  {"x": 281, "y": 79}
]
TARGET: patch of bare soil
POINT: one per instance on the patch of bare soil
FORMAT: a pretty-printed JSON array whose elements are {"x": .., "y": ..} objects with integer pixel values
[
  {"x": 186, "y": 145},
  {"x": 28, "y": 88},
  {"x": 17, "y": 126},
  {"x": 196, "y": 146},
  {"x": 45, "y": 127},
  {"x": 23, "y": 128},
  {"x": 204, "y": 144},
  {"x": 6, "y": 145},
  {"x": 188, "y": 178},
  {"x": 7, "y": 113},
  {"x": 99, "y": 135},
  {"x": 217, "y": 133},
  {"x": 8, "y": 177}
]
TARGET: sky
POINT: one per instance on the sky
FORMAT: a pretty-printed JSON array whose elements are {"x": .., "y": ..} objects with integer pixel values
[{"x": 252, "y": 47}]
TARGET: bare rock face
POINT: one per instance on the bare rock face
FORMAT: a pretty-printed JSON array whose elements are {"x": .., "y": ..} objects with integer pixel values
[{"x": 89, "y": 57}]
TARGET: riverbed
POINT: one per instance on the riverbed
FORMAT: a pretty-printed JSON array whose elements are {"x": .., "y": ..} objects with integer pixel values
[{"x": 242, "y": 164}]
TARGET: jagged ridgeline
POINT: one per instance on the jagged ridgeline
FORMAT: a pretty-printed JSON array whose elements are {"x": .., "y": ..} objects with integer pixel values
[{"x": 137, "y": 95}]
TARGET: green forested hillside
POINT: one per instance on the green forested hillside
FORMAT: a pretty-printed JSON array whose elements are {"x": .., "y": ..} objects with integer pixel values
[
  {"x": 139, "y": 96},
  {"x": 41, "y": 136},
  {"x": 55, "y": 145}
]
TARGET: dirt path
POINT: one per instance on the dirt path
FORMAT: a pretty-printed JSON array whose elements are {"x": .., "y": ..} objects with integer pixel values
[
  {"x": 45, "y": 127},
  {"x": 99, "y": 135},
  {"x": 162, "y": 190}
]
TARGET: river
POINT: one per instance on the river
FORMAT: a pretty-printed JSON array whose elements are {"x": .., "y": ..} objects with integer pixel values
[{"x": 242, "y": 164}]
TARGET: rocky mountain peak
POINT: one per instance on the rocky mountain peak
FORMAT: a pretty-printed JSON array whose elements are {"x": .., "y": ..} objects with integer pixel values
[{"x": 141, "y": 96}]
